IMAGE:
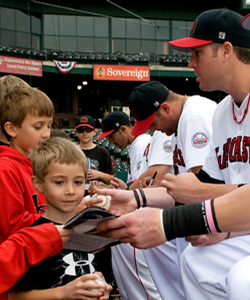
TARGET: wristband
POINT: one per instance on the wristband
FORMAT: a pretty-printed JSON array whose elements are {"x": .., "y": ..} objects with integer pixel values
[
  {"x": 209, "y": 216},
  {"x": 228, "y": 236},
  {"x": 241, "y": 184},
  {"x": 143, "y": 197},
  {"x": 137, "y": 198},
  {"x": 184, "y": 220}
]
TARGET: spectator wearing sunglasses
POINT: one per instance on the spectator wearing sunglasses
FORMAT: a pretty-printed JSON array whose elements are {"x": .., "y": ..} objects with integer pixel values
[
  {"x": 100, "y": 163},
  {"x": 99, "y": 167}
]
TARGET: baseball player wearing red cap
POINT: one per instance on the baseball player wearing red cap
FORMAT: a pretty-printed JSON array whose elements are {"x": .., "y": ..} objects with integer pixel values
[
  {"x": 220, "y": 58},
  {"x": 189, "y": 120},
  {"x": 219, "y": 35}
]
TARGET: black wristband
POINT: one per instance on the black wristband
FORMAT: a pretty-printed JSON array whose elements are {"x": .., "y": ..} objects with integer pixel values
[
  {"x": 241, "y": 184},
  {"x": 137, "y": 198},
  {"x": 181, "y": 221},
  {"x": 143, "y": 197}
]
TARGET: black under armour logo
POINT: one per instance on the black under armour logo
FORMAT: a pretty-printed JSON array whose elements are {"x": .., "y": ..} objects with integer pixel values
[{"x": 39, "y": 208}]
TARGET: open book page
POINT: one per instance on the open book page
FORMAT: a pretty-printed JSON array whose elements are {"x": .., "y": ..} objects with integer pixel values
[{"x": 85, "y": 237}]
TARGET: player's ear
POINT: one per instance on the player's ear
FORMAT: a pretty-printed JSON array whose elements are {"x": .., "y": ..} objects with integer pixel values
[
  {"x": 227, "y": 50},
  {"x": 123, "y": 128},
  {"x": 10, "y": 129},
  {"x": 165, "y": 107},
  {"x": 38, "y": 185}
]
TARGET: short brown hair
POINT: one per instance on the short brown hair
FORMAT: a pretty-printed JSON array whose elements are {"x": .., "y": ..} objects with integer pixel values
[
  {"x": 20, "y": 101},
  {"x": 11, "y": 81},
  {"x": 56, "y": 150}
]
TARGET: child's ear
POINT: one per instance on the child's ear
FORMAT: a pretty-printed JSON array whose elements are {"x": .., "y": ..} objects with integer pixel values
[
  {"x": 37, "y": 184},
  {"x": 10, "y": 129}
]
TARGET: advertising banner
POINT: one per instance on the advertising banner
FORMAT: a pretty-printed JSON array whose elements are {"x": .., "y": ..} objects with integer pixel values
[
  {"x": 23, "y": 66},
  {"x": 121, "y": 73}
]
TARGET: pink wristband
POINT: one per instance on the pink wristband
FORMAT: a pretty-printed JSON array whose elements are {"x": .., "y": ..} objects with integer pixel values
[{"x": 209, "y": 215}]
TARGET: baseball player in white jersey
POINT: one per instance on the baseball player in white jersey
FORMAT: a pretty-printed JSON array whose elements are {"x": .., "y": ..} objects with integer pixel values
[
  {"x": 158, "y": 152},
  {"x": 190, "y": 142},
  {"x": 205, "y": 269},
  {"x": 136, "y": 151},
  {"x": 214, "y": 271},
  {"x": 130, "y": 269}
]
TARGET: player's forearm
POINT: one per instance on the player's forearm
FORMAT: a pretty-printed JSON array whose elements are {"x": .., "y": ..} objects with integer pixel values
[
  {"x": 158, "y": 197},
  {"x": 209, "y": 191},
  {"x": 232, "y": 210},
  {"x": 228, "y": 213}
]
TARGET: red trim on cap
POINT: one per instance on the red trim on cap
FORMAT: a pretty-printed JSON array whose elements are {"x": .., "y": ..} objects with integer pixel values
[
  {"x": 186, "y": 43},
  {"x": 104, "y": 134},
  {"x": 246, "y": 22},
  {"x": 86, "y": 125},
  {"x": 141, "y": 127}
]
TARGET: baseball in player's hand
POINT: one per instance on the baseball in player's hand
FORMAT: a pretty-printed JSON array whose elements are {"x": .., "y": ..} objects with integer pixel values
[
  {"x": 131, "y": 228},
  {"x": 122, "y": 201}
]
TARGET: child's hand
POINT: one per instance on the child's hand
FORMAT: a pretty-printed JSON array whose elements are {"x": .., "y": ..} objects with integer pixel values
[
  {"x": 92, "y": 174},
  {"x": 78, "y": 289},
  {"x": 108, "y": 289},
  {"x": 64, "y": 233}
]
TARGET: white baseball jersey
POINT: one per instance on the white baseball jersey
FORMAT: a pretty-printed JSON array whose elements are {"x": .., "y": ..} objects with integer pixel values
[
  {"x": 129, "y": 266},
  {"x": 136, "y": 150},
  {"x": 190, "y": 148},
  {"x": 206, "y": 271},
  {"x": 157, "y": 152},
  {"x": 192, "y": 143}
]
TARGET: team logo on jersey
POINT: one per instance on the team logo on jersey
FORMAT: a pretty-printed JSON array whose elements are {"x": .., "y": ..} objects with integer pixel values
[
  {"x": 139, "y": 165},
  {"x": 199, "y": 140},
  {"x": 167, "y": 146}
]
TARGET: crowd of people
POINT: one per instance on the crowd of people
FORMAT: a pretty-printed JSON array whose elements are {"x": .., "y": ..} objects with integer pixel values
[{"x": 183, "y": 219}]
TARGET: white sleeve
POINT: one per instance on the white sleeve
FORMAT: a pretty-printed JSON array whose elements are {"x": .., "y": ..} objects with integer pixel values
[
  {"x": 195, "y": 139},
  {"x": 160, "y": 151}
]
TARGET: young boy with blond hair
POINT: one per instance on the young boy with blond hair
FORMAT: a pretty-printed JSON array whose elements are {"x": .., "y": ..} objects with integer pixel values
[
  {"x": 26, "y": 116},
  {"x": 59, "y": 172},
  {"x": 7, "y": 83}
]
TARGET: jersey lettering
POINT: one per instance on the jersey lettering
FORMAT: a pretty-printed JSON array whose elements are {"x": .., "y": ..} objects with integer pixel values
[
  {"x": 146, "y": 152},
  {"x": 178, "y": 157},
  {"x": 234, "y": 150}
]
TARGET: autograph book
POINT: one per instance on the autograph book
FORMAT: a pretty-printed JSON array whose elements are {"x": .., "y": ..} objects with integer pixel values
[{"x": 85, "y": 237}]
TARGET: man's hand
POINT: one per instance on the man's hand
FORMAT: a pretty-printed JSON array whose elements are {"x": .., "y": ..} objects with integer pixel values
[
  {"x": 183, "y": 188},
  {"x": 206, "y": 239},
  {"x": 142, "y": 228},
  {"x": 117, "y": 183},
  {"x": 146, "y": 180},
  {"x": 96, "y": 185}
]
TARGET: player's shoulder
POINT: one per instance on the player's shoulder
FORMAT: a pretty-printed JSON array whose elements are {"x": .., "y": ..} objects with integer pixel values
[
  {"x": 223, "y": 106},
  {"x": 201, "y": 101}
]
